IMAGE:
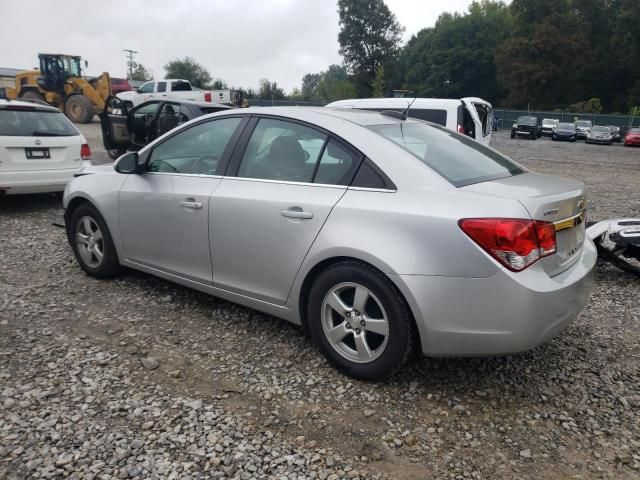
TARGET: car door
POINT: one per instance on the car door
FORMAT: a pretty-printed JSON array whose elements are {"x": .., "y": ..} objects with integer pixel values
[
  {"x": 267, "y": 211},
  {"x": 164, "y": 212}
]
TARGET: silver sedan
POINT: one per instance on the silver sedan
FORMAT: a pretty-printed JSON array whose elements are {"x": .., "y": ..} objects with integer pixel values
[{"x": 379, "y": 234}]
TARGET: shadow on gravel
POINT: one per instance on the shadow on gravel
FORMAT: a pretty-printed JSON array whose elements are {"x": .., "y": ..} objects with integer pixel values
[{"x": 29, "y": 203}]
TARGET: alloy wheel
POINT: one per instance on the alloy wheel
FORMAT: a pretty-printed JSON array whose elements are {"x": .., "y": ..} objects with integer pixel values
[
  {"x": 354, "y": 322},
  {"x": 90, "y": 242}
]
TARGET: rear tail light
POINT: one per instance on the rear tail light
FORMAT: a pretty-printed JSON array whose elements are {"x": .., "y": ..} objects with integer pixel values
[
  {"x": 460, "y": 129},
  {"x": 515, "y": 243},
  {"x": 207, "y": 97},
  {"x": 85, "y": 151}
]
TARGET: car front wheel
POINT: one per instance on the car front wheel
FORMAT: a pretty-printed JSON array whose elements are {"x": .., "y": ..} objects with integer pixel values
[
  {"x": 360, "y": 321},
  {"x": 91, "y": 243}
]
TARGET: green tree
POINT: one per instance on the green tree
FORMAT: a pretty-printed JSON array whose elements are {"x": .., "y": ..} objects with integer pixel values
[
  {"x": 188, "y": 69},
  {"x": 378, "y": 83},
  {"x": 370, "y": 36},
  {"x": 327, "y": 86},
  {"x": 456, "y": 58},
  {"x": 543, "y": 61},
  {"x": 218, "y": 84},
  {"x": 140, "y": 73},
  {"x": 270, "y": 91}
]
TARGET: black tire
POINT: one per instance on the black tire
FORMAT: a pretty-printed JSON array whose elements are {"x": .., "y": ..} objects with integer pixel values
[
  {"x": 109, "y": 265},
  {"x": 79, "y": 109},
  {"x": 513, "y": 134},
  {"x": 402, "y": 332}
]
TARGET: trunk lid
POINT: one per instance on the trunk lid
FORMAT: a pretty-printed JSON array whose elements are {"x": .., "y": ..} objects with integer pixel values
[
  {"x": 29, "y": 153},
  {"x": 552, "y": 199}
]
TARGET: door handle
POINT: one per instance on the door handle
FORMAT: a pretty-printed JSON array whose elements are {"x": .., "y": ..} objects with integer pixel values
[
  {"x": 296, "y": 212},
  {"x": 191, "y": 204}
]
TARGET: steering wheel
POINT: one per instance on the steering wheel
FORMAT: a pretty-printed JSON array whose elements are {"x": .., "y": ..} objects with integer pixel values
[
  {"x": 163, "y": 162},
  {"x": 148, "y": 118},
  {"x": 200, "y": 163}
]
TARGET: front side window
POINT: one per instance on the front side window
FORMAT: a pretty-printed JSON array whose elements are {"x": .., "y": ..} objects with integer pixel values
[
  {"x": 146, "y": 88},
  {"x": 458, "y": 159},
  {"x": 35, "y": 123},
  {"x": 196, "y": 150},
  {"x": 280, "y": 150}
]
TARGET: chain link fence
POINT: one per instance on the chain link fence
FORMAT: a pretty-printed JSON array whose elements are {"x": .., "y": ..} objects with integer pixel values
[{"x": 506, "y": 118}]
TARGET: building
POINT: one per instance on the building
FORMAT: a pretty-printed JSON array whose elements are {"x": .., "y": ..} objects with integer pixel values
[{"x": 8, "y": 76}]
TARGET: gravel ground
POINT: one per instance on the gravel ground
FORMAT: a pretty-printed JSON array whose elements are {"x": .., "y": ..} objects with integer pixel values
[{"x": 140, "y": 378}]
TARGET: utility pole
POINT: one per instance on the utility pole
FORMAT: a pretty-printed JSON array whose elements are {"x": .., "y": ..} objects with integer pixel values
[{"x": 130, "y": 63}]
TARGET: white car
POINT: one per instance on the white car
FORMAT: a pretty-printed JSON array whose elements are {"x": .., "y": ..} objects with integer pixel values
[
  {"x": 177, "y": 89},
  {"x": 40, "y": 149},
  {"x": 471, "y": 116}
]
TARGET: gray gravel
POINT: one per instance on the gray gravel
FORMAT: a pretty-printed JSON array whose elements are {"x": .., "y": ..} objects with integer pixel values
[{"x": 140, "y": 378}]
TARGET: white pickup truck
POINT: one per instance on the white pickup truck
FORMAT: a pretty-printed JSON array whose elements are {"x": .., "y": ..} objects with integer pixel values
[{"x": 180, "y": 90}]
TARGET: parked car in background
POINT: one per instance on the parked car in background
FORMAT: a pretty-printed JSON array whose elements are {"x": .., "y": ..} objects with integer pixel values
[
  {"x": 616, "y": 133},
  {"x": 565, "y": 131},
  {"x": 583, "y": 127},
  {"x": 131, "y": 129},
  {"x": 280, "y": 209},
  {"x": 40, "y": 149},
  {"x": 470, "y": 115},
  {"x": 119, "y": 85},
  {"x": 526, "y": 126},
  {"x": 177, "y": 89},
  {"x": 549, "y": 125},
  {"x": 632, "y": 138},
  {"x": 599, "y": 134}
]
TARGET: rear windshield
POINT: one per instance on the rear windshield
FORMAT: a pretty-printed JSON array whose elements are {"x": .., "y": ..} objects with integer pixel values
[
  {"x": 430, "y": 115},
  {"x": 460, "y": 160},
  {"x": 15, "y": 122}
]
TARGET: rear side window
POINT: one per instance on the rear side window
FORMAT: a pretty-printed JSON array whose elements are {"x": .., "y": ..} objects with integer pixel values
[
  {"x": 162, "y": 86},
  {"x": 337, "y": 165},
  {"x": 433, "y": 116},
  {"x": 458, "y": 159},
  {"x": 430, "y": 115},
  {"x": 35, "y": 123}
]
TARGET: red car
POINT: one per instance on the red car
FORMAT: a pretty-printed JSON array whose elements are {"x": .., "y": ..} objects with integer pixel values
[
  {"x": 119, "y": 85},
  {"x": 632, "y": 137}
]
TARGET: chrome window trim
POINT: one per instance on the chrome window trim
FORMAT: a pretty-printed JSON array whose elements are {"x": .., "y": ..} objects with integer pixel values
[
  {"x": 183, "y": 174},
  {"x": 286, "y": 182},
  {"x": 372, "y": 189}
]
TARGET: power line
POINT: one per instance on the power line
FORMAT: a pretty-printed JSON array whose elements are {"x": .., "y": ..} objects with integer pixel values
[{"x": 130, "y": 63}]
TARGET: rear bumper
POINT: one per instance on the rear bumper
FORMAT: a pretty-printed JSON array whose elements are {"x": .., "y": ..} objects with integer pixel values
[
  {"x": 37, "y": 181},
  {"x": 506, "y": 313}
]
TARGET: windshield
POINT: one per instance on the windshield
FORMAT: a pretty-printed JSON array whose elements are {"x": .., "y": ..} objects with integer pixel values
[
  {"x": 548, "y": 121},
  {"x": 583, "y": 123},
  {"x": 460, "y": 160},
  {"x": 601, "y": 129},
  {"x": 16, "y": 122},
  {"x": 634, "y": 130},
  {"x": 528, "y": 120},
  {"x": 566, "y": 126}
]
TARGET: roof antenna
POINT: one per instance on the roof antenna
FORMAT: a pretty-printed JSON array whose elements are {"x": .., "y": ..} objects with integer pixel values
[{"x": 396, "y": 114}]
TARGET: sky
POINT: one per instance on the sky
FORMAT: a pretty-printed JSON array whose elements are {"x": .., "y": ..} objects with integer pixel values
[{"x": 240, "y": 41}]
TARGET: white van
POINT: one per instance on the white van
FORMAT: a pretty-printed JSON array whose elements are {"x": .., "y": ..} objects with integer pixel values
[{"x": 470, "y": 115}]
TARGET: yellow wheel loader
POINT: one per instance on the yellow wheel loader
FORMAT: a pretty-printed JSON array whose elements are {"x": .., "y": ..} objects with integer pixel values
[{"x": 59, "y": 82}]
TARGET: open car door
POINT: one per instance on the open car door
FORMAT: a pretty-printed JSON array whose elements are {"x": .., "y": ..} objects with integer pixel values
[{"x": 115, "y": 129}]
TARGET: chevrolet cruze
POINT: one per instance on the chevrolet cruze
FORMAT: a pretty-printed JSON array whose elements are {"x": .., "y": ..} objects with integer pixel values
[{"x": 376, "y": 232}]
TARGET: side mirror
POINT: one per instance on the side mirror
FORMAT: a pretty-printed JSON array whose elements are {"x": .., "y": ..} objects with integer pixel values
[
  {"x": 86, "y": 64},
  {"x": 127, "y": 163}
]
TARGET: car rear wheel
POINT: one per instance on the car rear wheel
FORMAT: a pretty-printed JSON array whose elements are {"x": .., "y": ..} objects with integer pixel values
[
  {"x": 92, "y": 243},
  {"x": 360, "y": 321}
]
